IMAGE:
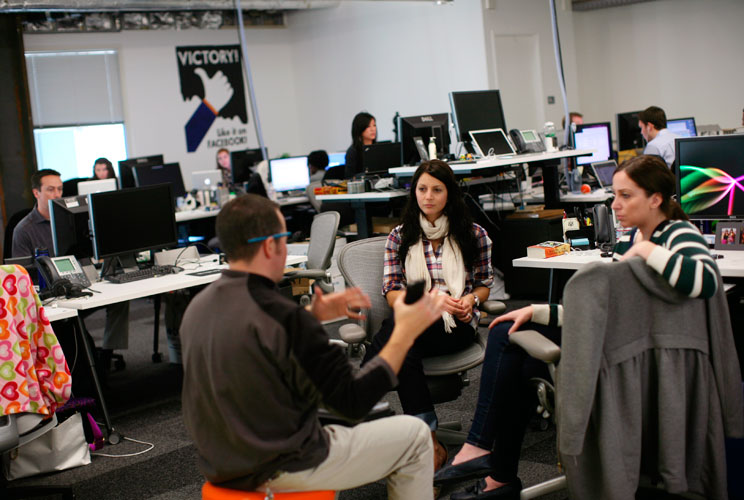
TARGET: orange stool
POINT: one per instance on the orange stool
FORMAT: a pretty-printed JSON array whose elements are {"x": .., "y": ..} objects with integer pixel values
[{"x": 212, "y": 492}]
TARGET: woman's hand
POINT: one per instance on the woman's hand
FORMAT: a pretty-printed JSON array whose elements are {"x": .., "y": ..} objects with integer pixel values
[
  {"x": 640, "y": 248},
  {"x": 519, "y": 317},
  {"x": 466, "y": 307},
  {"x": 337, "y": 304},
  {"x": 454, "y": 306}
]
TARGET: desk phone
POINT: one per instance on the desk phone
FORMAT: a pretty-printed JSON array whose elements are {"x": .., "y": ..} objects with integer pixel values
[{"x": 66, "y": 267}]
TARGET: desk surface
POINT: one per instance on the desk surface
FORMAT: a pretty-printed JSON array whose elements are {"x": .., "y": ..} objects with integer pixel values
[
  {"x": 292, "y": 200},
  {"x": 501, "y": 161},
  {"x": 55, "y": 313},
  {"x": 196, "y": 214},
  {"x": 371, "y": 196},
  {"x": 598, "y": 196},
  {"x": 112, "y": 293},
  {"x": 730, "y": 266}
]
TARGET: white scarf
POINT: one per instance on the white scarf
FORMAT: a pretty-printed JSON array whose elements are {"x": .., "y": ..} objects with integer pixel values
[{"x": 453, "y": 266}]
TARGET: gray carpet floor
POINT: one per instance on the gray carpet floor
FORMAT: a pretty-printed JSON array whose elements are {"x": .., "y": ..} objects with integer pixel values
[{"x": 144, "y": 402}]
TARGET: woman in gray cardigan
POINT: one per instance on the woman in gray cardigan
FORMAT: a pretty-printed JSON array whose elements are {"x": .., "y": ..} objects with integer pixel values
[{"x": 663, "y": 237}]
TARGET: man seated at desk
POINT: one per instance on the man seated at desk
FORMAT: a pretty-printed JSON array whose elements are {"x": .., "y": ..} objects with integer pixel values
[
  {"x": 35, "y": 231},
  {"x": 652, "y": 121},
  {"x": 257, "y": 366}
]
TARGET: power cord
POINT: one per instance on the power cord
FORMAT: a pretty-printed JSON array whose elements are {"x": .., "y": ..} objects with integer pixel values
[{"x": 124, "y": 455}]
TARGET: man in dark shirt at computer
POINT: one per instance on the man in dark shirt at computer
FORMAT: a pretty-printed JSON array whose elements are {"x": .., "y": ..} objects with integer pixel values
[
  {"x": 257, "y": 365},
  {"x": 35, "y": 232}
]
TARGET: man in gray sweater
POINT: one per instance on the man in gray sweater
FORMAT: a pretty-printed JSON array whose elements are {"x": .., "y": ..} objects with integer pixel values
[{"x": 257, "y": 365}]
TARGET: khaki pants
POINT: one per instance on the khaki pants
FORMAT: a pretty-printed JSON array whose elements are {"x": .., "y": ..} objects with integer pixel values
[{"x": 398, "y": 448}]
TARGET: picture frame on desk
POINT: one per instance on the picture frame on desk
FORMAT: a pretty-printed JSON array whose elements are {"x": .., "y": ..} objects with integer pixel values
[{"x": 729, "y": 236}]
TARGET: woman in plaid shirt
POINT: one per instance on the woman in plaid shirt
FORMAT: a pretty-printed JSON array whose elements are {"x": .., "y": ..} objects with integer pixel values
[{"x": 438, "y": 242}]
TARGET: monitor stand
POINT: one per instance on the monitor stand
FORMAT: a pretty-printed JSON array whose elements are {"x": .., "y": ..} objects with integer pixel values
[{"x": 120, "y": 264}]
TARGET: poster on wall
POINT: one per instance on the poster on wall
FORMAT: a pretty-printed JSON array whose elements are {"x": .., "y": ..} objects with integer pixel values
[{"x": 212, "y": 77}]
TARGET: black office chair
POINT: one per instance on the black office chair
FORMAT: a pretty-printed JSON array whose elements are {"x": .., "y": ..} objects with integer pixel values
[
  {"x": 70, "y": 186},
  {"x": 12, "y": 223},
  {"x": 334, "y": 173}
]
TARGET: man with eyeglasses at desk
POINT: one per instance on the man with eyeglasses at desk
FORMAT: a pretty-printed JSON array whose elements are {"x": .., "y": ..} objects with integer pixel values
[{"x": 257, "y": 366}]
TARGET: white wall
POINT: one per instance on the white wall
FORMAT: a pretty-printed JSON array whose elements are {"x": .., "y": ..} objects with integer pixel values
[
  {"x": 523, "y": 19},
  {"x": 310, "y": 78},
  {"x": 682, "y": 55}
]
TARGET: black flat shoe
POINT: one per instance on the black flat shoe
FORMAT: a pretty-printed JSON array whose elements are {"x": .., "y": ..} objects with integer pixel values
[
  {"x": 509, "y": 491},
  {"x": 472, "y": 469}
]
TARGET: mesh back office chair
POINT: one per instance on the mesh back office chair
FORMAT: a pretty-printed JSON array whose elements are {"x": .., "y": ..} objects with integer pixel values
[
  {"x": 310, "y": 193},
  {"x": 12, "y": 223},
  {"x": 320, "y": 251},
  {"x": 361, "y": 264}
]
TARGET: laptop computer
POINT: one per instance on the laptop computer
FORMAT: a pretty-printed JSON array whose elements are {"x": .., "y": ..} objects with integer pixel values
[
  {"x": 603, "y": 171},
  {"x": 206, "y": 179},
  {"x": 491, "y": 142}
]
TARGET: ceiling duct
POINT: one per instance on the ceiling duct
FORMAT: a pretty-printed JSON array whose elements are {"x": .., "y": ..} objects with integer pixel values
[
  {"x": 579, "y": 5},
  {"x": 158, "y": 5}
]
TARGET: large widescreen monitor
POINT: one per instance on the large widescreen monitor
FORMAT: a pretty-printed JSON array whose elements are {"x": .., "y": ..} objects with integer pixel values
[
  {"x": 68, "y": 218},
  {"x": 593, "y": 136},
  {"x": 683, "y": 127},
  {"x": 476, "y": 110},
  {"x": 126, "y": 175},
  {"x": 242, "y": 163},
  {"x": 380, "y": 157},
  {"x": 170, "y": 173},
  {"x": 128, "y": 221},
  {"x": 710, "y": 176},
  {"x": 424, "y": 126},
  {"x": 628, "y": 132},
  {"x": 289, "y": 174}
]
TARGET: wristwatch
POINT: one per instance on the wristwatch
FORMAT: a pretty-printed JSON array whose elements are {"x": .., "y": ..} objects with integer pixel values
[{"x": 477, "y": 300}]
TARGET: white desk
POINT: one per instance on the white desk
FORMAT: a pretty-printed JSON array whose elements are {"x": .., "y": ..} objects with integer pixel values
[
  {"x": 598, "y": 196},
  {"x": 550, "y": 175},
  {"x": 54, "y": 313},
  {"x": 359, "y": 204},
  {"x": 200, "y": 213},
  {"x": 292, "y": 200}
]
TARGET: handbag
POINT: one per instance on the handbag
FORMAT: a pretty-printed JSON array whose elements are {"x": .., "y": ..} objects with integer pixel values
[{"x": 63, "y": 447}]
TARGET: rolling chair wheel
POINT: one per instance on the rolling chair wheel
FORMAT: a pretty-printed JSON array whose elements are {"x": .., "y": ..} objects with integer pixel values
[{"x": 157, "y": 357}]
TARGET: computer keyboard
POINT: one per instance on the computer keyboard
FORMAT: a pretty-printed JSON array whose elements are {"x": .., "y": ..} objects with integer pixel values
[
  {"x": 206, "y": 272},
  {"x": 142, "y": 274}
]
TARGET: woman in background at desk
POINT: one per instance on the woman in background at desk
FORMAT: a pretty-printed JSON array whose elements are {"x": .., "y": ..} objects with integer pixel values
[
  {"x": 363, "y": 133},
  {"x": 103, "y": 169},
  {"x": 224, "y": 166},
  {"x": 669, "y": 244},
  {"x": 439, "y": 243}
]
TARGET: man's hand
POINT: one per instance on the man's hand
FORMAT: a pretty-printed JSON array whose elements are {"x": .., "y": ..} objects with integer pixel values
[
  {"x": 337, "y": 304},
  {"x": 217, "y": 90},
  {"x": 519, "y": 317}
]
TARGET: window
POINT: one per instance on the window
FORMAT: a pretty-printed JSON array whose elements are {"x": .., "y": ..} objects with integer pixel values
[{"x": 77, "y": 109}]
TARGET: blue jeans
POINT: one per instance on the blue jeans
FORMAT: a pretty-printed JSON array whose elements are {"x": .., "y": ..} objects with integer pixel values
[{"x": 506, "y": 400}]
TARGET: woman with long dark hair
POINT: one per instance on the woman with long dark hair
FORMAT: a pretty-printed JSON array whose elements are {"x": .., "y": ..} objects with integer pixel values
[
  {"x": 103, "y": 169},
  {"x": 661, "y": 234},
  {"x": 363, "y": 133},
  {"x": 437, "y": 242}
]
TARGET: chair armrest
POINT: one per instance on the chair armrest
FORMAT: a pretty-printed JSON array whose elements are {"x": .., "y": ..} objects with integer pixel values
[
  {"x": 536, "y": 345},
  {"x": 316, "y": 274},
  {"x": 352, "y": 333},
  {"x": 493, "y": 307}
]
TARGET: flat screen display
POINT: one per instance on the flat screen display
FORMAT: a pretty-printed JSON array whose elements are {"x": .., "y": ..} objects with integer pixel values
[
  {"x": 476, "y": 110},
  {"x": 336, "y": 159},
  {"x": 593, "y": 136},
  {"x": 126, "y": 167},
  {"x": 491, "y": 142},
  {"x": 425, "y": 127},
  {"x": 289, "y": 174},
  {"x": 132, "y": 220},
  {"x": 710, "y": 176},
  {"x": 683, "y": 127},
  {"x": 68, "y": 218},
  {"x": 628, "y": 132},
  {"x": 170, "y": 173}
]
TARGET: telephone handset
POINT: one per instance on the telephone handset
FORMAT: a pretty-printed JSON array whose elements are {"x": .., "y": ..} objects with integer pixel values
[
  {"x": 527, "y": 141},
  {"x": 66, "y": 267}
]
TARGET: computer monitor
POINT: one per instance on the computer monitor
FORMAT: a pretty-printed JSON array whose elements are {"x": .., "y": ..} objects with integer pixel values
[
  {"x": 628, "y": 132},
  {"x": 170, "y": 173},
  {"x": 68, "y": 218},
  {"x": 593, "y": 136},
  {"x": 289, "y": 174},
  {"x": 126, "y": 175},
  {"x": 476, "y": 110},
  {"x": 710, "y": 173},
  {"x": 424, "y": 126},
  {"x": 683, "y": 127},
  {"x": 97, "y": 186},
  {"x": 128, "y": 221},
  {"x": 380, "y": 157},
  {"x": 336, "y": 159},
  {"x": 242, "y": 163},
  {"x": 604, "y": 171}
]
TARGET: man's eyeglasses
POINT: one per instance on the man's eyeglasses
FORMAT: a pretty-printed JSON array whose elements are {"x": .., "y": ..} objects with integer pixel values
[{"x": 261, "y": 238}]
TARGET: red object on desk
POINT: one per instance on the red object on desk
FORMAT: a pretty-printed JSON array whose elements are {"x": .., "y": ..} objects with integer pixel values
[{"x": 586, "y": 189}]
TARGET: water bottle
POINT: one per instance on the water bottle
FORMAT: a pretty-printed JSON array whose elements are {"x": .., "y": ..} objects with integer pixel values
[
  {"x": 576, "y": 180},
  {"x": 551, "y": 142},
  {"x": 432, "y": 148}
]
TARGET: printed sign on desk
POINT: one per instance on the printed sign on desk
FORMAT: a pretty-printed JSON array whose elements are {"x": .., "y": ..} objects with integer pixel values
[{"x": 212, "y": 81}]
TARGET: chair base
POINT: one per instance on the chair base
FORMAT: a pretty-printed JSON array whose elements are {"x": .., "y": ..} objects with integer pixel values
[{"x": 538, "y": 490}]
